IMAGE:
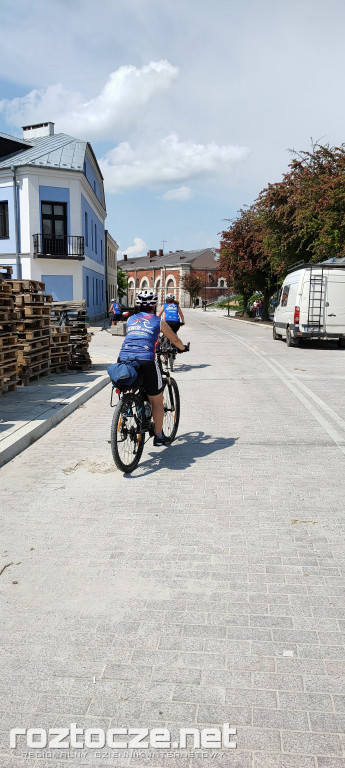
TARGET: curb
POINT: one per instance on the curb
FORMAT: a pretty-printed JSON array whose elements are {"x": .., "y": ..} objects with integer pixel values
[
  {"x": 248, "y": 322},
  {"x": 29, "y": 433}
]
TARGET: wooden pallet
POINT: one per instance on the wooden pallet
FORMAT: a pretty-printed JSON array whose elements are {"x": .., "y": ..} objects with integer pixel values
[
  {"x": 8, "y": 340},
  {"x": 34, "y": 346},
  {"x": 8, "y": 355},
  {"x": 31, "y": 358},
  {"x": 33, "y": 323},
  {"x": 8, "y": 368},
  {"x": 8, "y": 386},
  {"x": 5, "y": 287},
  {"x": 32, "y": 334},
  {"x": 33, "y": 373},
  {"x": 32, "y": 299},
  {"x": 20, "y": 286},
  {"x": 59, "y": 368}
]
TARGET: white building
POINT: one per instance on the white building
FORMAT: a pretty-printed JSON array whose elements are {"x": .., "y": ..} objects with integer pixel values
[
  {"x": 52, "y": 213},
  {"x": 111, "y": 249}
]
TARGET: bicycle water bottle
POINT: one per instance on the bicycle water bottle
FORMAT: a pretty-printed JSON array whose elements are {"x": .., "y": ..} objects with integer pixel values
[{"x": 148, "y": 410}]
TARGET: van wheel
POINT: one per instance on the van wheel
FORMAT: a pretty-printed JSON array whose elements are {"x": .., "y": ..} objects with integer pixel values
[
  {"x": 290, "y": 341},
  {"x": 275, "y": 334}
]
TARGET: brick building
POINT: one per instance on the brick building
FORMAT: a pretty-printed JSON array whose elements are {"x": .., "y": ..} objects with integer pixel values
[{"x": 164, "y": 272}]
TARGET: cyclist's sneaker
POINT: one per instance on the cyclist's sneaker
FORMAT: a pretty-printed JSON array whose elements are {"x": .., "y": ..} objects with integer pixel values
[{"x": 159, "y": 440}]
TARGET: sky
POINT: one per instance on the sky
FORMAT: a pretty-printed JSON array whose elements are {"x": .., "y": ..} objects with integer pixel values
[{"x": 191, "y": 106}]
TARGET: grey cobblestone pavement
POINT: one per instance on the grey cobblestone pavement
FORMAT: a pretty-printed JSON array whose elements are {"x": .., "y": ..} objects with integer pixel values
[{"x": 205, "y": 588}]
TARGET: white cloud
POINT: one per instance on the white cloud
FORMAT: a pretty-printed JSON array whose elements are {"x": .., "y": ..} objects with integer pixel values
[
  {"x": 168, "y": 160},
  {"x": 138, "y": 249},
  {"x": 180, "y": 194},
  {"x": 125, "y": 93}
]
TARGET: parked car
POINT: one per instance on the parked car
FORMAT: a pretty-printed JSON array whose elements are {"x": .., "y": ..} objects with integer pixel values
[{"x": 311, "y": 303}]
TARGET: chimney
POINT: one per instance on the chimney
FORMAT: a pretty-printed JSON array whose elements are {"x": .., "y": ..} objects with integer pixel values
[
  {"x": 160, "y": 252},
  {"x": 125, "y": 256},
  {"x": 38, "y": 131},
  {"x": 151, "y": 254}
]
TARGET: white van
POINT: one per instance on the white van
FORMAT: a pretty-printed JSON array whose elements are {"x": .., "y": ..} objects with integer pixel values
[{"x": 311, "y": 303}]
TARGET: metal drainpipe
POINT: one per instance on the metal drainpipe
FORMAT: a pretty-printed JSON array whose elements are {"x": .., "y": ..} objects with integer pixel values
[{"x": 16, "y": 228}]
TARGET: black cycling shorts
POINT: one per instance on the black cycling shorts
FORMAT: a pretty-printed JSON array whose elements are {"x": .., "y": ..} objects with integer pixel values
[
  {"x": 174, "y": 325},
  {"x": 152, "y": 377}
]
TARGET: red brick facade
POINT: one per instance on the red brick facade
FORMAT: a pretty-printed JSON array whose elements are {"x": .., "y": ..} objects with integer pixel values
[{"x": 164, "y": 274}]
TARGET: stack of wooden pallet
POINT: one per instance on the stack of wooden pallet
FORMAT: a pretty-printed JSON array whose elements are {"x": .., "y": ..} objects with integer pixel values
[
  {"x": 60, "y": 349},
  {"x": 32, "y": 311},
  {"x": 8, "y": 335},
  {"x": 72, "y": 316}
]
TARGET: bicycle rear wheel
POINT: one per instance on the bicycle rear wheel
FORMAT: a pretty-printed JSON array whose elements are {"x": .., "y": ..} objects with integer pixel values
[
  {"x": 171, "y": 404},
  {"x": 127, "y": 438}
]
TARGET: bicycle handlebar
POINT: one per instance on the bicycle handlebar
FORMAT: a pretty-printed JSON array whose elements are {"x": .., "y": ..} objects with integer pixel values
[{"x": 186, "y": 348}]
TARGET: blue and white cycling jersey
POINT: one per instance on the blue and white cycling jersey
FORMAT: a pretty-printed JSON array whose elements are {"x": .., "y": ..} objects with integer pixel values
[
  {"x": 171, "y": 312},
  {"x": 116, "y": 308},
  {"x": 142, "y": 332}
]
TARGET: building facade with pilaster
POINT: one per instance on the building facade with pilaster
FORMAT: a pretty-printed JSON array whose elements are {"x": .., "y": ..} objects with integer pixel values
[
  {"x": 52, "y": 213},
  {"x": 164, "y": 273}
]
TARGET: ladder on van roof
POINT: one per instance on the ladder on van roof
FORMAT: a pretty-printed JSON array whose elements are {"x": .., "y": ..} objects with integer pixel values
[{"x": 316, "y": 298}]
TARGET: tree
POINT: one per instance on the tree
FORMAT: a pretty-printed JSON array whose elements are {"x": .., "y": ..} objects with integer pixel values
[
  {"x": 121, "y": 283},
  {"x": 193, "y": 284},
  {"x": 244, "y": 257}
]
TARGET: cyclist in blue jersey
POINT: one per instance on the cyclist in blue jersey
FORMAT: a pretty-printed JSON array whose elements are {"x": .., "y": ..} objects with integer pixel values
[
  {"x": 115, "y": 310},
  {"x": 171, "y": 312},
  {"x": 142, "y": 336}
]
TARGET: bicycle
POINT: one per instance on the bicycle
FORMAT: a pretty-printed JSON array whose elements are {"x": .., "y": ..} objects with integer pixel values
[
  {"x": 169, "y": 351},
  {"x": 132, "y": 418}
]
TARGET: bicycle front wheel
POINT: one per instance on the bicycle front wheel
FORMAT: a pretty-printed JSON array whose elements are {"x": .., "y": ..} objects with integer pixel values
[
  {"x": 171, "y": 404},
  {"x": 127, "y": 438}
]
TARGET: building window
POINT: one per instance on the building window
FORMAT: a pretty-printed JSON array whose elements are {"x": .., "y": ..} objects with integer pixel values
[
  {"x": 144, "y": 285},
  {"x": 91, "y": 234},
  {"x": 86, "y": 229},
  {"x": 54, "y": 228},
  {"x": 93, "y": 290},
  {"x": 4, "y": 229},
  {"x": 87, "y": 291},
  {"x": 221, "y": 283},
  {"x": 94, "y": 187},
  {"x": 101, "y": 244},
  {"x": 95, "y": 238}
]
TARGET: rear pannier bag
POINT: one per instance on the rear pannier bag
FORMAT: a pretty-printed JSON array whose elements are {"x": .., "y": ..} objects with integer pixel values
[{"x": 124, "y": 373}]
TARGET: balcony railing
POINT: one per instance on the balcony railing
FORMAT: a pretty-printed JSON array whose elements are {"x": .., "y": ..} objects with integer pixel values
[{"x": 59, "y": 246}]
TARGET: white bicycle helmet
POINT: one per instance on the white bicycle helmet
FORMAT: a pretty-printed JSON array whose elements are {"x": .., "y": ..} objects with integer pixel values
[
  {"x": 170, "y": 297},
  {"x": 146, "y": 298}
]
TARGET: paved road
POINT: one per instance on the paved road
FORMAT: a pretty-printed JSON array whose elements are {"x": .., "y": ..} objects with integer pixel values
[{"x": 207, "y": 587}]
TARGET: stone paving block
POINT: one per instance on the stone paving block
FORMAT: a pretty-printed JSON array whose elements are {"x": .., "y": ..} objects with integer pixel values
[
  {"x": 284, "y": 761},
  {"x": 235, "y": 715},
  {"x": 339, "y": 703},
  {"x": 312, "y": 743},
  {"x": 126, "y": 672},
  {"x": 305, "y": 701},
  {"x": 251, "y": 698},
  {"x": 280, "y": 719},
  {"x": 327, "y": 722},
  {"x": 176, "y": 675},
  {"x": 330, "y": 762}
]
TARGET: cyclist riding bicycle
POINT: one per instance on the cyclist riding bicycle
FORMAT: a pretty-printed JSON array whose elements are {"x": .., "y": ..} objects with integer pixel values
[
  {"x": 171, "y": 312},
  {"x": 115, "y": 311},
  {"x": 142, "y": 336}
]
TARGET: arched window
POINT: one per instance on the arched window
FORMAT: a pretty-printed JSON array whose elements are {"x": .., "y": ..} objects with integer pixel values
[
  {"x": 170, "y": 286},
  {"x": 144, "y": 284}
]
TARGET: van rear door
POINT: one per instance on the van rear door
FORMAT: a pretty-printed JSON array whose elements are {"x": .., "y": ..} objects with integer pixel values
[{"x": 335, "y": 301}]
